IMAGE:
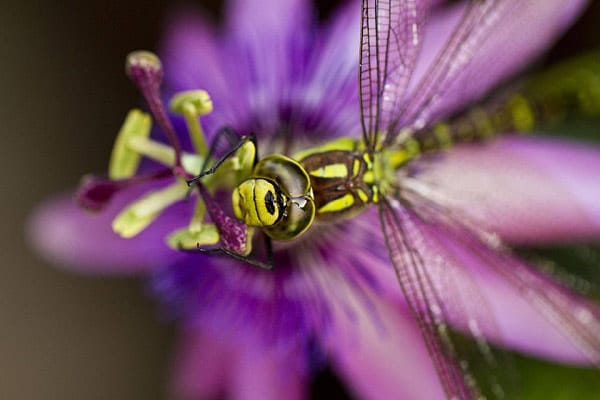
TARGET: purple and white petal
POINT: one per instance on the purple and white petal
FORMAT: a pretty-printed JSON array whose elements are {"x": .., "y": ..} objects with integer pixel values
[
  {"x": 192, "y": 53},
  {"x": 267, "y": 374},
  {"x": 75, "y": 239},
  {"x": 266, "y": 44},
  {"x": 528, "y": 190},
  {"x": 201, "y": 367},
  {"x": 331, "y": 77},
  {"x": 532, "y": 313},
  {"x": 211, "y": 365},
  {"x": 489, "y": 293},
  {"x": 382, "y": 361},
  {"x": 290, "y": 303}
]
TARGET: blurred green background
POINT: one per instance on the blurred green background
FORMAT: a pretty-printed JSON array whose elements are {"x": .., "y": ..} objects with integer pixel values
[{"x": 63, "y": 98}]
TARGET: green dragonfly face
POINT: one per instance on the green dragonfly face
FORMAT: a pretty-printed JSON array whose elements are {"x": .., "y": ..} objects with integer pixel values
[{"x": 277, "y": 197}]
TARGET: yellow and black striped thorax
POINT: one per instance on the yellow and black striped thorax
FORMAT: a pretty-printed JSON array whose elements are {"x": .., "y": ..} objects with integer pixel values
[{"x": 342, "y": 180}]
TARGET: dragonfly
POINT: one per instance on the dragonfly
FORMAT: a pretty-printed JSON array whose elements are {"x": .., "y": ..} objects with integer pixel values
[
  {"x": 283, "y": 196},
  {"x": 280, "y": 197}
]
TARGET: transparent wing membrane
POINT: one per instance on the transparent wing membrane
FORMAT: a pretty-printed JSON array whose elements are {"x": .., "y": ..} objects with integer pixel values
[
  {"x": 582, "y": 274},
  {"x": 472, "y": 30},
  {"x": 460, "y": 323},
  {"x": 474, "y": 58},
  {"x": 391, "y": 34},
  {"x": 572, "y": 315}
]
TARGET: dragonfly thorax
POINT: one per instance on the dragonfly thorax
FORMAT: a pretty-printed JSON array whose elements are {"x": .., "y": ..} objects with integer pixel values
[{"x": 343, "y": 182}]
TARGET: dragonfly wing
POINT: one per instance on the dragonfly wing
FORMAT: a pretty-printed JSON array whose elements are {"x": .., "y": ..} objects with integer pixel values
[
  {"x": 391, "y": 35},
  {"x": 573, "y": 316},
  {"x": 583, "y": 260},
  {"x": 494, "y": 39},
  {"x": 472, "y": 30},
  {"x": 439, "y": 292}
]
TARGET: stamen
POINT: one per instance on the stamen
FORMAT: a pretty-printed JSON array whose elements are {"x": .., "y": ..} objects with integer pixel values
[
  {"x": 198, "y": 217},
  {"x": 138, "y": 215},
  {"x": 193, "y": 104},
  {"x": 145, "y": 70},
  {"x": 164, "y": 154},
  {"x": 197, "y": 233},
  {"x": 188, "y": 240},
  {"x": 124, "y": 161},
  {"x": 155, "y": 151}
]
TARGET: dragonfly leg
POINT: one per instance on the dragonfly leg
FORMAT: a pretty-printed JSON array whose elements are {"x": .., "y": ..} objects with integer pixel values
[
  {"x": 268, "y": 264},
  {"x": 236, "y": 143},
  {"x": 235, "y": 237}
]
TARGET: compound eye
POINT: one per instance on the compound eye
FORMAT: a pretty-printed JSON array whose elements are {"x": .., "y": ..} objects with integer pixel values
[
  {"x": 268, "y": 201},
  {"x": 258, "y": 202}
]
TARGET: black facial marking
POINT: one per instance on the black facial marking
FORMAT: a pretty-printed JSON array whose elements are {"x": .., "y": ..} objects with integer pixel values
[
  {"x": 270, "y": 202},
  {"x": 279, "y": 198}
]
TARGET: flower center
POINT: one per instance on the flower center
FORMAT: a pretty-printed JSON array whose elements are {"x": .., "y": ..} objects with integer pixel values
[{"x": 133, "y": 143}]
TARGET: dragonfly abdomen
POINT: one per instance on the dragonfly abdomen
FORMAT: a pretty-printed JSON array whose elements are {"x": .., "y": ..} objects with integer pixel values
[
  {"x": 572, "y": 88},
  {"x": 475, "y": 125},
  {"x": 518, "y": 114}
]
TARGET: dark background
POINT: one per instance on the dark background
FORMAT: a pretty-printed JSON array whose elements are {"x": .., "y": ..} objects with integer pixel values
[{"x": 63, "y": 97}]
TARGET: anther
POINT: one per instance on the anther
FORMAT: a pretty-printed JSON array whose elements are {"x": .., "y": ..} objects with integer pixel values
[
  {"x": 138, "y": 215},
  {"x": 198, "y": 233},
  {"x": 124, "y": 161},
  {"x": 145, "y": 71},
  {"x": 193, "y": 104}
]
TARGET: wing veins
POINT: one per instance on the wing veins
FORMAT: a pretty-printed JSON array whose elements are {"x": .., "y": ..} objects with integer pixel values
[
  {"x": 520, "y": 277},
  {"x": 387, "y": 58},
  {"x": 439, "y": 346}
]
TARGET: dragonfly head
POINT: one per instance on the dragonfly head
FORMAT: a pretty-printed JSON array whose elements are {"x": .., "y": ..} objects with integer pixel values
[
  {"x": 277, "y": 197},
  {"x": 259, "y": 202}
]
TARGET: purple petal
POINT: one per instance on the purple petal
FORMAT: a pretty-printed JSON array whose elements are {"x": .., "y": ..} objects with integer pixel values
[
  {"x": 532, "y": 313},
  {"x": 260, "y": 374},
  {"x": 201, "y": 366},
  {"x": 383, "y": 361},
  {"x": 528, "y": 190},
  {"x": 267, "y": 45},
  {"x": 294, "y": 298},
  {"x": 332, "y": 76},
  {"x": 501, "y": 295},
  {"x": 193, "y": 59},
  {"x": 502, "y": 41},
  {"x": 70, "y": 237},
  {"x": 216, "y": 365}
]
